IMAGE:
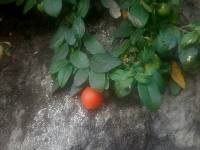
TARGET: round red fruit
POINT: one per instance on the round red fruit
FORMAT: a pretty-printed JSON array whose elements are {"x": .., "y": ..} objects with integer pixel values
[{"x": 91, "y": 98}]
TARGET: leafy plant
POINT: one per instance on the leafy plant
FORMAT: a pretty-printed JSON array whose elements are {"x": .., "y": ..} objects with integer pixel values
[{"x": 154, "y": 52}]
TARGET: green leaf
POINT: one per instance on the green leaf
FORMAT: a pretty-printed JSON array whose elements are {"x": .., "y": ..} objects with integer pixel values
[
  {"x": 63, "y": 75},
  {"x": 83, "y": 7},
  {"x": 74, "y": 90},
  {"x": 152, "y": 65},
  {"x": 57, "y": 65},
  {"x": 123, "y": 80},
  {"x": 146, "y": 6},
  {"x": 61, "y": 52},
  {"x": 158, "y": 79},
  {"x": 142, "y": 77},
  {"x": 81, "y": 76},
  {"x": 69, "y": 36},
  {"x": 121, "y": 49},
  {"x": 28, "y": 5},
  {"x": 92, "y": 45},
  {"x": 138, "y": 15},
  {"x": 136, "y": 35},
  {"x": 147, "y": 54},
  {"x": 59, "y": 37},
  {"x": 155, "y": 95},
  {"x": 79, "y": 59},
  {"x": 174, "y": 88},
  {"x": 125, "y": 4},
  {"x": 104, "y": 62},
  {"x": 124, "y": 30},
  {"x": 53, "y": 7},
  {"x": 189, "y": 58},
  {"x": 150, "y": 95},
  {"x": 189, "y": 38},
  {"x": 167, "y": 40},
  {"x": 79, "y": 28},
  {"x": 97, "y": 80}
]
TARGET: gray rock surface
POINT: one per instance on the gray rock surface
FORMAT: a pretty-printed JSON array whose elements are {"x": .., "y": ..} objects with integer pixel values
[{"x": 32, "y": 118}]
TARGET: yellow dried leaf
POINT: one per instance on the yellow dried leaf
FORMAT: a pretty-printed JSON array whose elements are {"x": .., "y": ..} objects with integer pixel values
[{"x": 177, "y": 75}]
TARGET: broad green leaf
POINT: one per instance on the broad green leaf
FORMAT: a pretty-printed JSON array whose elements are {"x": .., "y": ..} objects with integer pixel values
[
  {"x": 177, "y": 75},
  {"x": 155, "y": 95},
  {"x": 79, "y": 59},
  {"x": 104, "y": 62},
  {"x": 28, "y": 5},
  {"x": 81, "y": 76},
  {"x": 97, "y": 80},
  {"x": 174, "y": 88},
  {"x": 83, "y": 7},
  {"x": 53, "y": 7},
  {"x": 150, "y": 95},
  {"x": 74, "y": 90},
  {"x": 123, "y": 80},
  {"x": 167, "y": 40},
  {"x": 189, "y": 58},
  {"x": 61, "y": 52},
  {"x": 121, "y": 49},
  {"x": 158, "y": 79},
  {"x": 63, "y": 75},
  {"x": 92, "y": 45},
  {"x": 138, "y": 15},
  {"x": 69, "y": 36},
  {"x": 189, "y": 38},
  {"x": 57, "y": 65},
  {"x": 79, "y": 28},
  {"x": 58, "y": 38},
  {"x": 124, "y": 30}
]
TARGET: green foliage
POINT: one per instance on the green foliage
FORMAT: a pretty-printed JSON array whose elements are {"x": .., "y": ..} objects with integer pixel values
[
  {"x": 79, "y": 59},
  {"x": 149, "y": 40},
  {"x": 123, "y": 80},
  {"x": 92, "y": 45},
  {"x": 53, "y": 7},
  {"x": 138, "y": 15},
  {"x": 97, "y": 80},
  {"x": 104, "y": 62}
]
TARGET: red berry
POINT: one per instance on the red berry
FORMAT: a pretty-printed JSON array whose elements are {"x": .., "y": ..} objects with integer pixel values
[{"x": 91, "y": 98}]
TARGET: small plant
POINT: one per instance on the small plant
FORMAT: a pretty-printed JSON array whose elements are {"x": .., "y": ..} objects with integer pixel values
[{"x": 154, "y": 50}]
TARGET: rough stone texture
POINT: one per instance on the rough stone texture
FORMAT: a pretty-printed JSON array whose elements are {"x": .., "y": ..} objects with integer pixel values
[{"x": 32, "y": 118}]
